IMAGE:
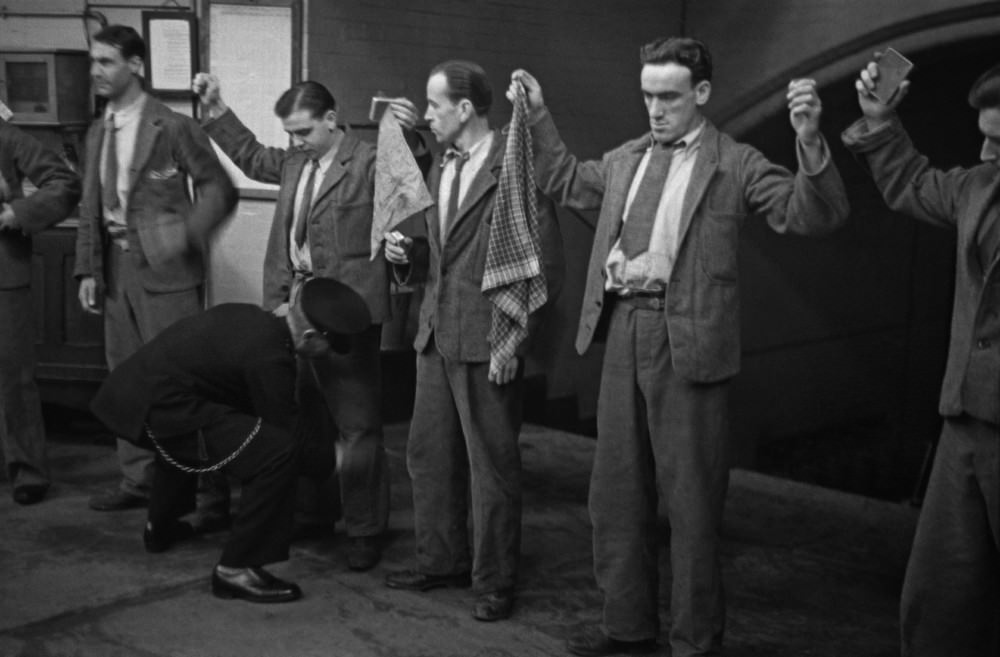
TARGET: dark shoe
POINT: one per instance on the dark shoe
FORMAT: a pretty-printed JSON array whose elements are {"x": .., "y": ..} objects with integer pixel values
[
  {"x": 411, "y": 580},
  {"x": 595, "y": 643},
  {"x": 253, "y": 584},
  {"x": 158, "y": 537},
  {"x": 363, "y": 552},
  {"x": 30, "y": 494},
  {"x": 117, "y": 500},
  {"x": 493, "y": 606},
  {"x": 209, "y": 524}
]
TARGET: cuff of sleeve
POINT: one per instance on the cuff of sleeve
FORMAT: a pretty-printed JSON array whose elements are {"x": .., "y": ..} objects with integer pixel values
[
  {"x": 808, "y": 165},
  {"x": 858, "y": 137}
]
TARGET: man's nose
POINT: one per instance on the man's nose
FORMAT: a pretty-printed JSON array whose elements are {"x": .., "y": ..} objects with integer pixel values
[
  {"x": 297, "y": 141},
  {"x": 656, "y": 108}
]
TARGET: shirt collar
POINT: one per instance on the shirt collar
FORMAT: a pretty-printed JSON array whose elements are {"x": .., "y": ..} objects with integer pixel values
[
  {"x": 326, "y": 159},
  {"x": 690, "y": 139},
  {"x": 129, "y": 112},
  {"x": 451, "y": 153}
]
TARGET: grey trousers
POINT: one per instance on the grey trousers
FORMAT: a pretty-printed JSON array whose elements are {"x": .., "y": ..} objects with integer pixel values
[
  {"x": 950, "y": 605},
  {"x": 658, "y": 436},
  {"x": 463, "y": 439},
  {"x": 132, "y": 317},
  {"x": 22, "y": 433}
]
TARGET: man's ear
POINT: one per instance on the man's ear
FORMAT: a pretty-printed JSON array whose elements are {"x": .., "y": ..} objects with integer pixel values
[
  {"x": 135, "y": 64},
  {"x": 702, "y": 92},
  {"x": 330, "y": 119}
]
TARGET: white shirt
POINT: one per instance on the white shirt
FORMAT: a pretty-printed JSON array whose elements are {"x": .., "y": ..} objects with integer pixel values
[
  {"x": 651, "y": 270},
  {"x": 126, "y": 120},
  {"x": 301, "y": 258},
  {"x": 477, "y": 157}
]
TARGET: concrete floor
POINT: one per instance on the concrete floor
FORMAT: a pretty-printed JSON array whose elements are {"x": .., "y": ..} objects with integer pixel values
[{"x": 809, "y": 571}]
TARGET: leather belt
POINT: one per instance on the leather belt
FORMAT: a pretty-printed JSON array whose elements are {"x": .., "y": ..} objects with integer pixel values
[{"x": 642, "y": 299}]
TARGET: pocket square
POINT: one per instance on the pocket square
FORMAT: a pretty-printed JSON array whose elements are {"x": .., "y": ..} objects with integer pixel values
[{"x": 163, "y": 174}]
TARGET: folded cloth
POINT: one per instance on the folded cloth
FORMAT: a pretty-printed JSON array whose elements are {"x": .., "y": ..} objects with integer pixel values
[
  {"x": 513, "y": 279},
  {"x": 400, "y": 191}
]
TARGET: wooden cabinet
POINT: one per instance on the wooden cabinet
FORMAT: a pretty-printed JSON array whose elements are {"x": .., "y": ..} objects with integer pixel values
[{"x": 69, "y": 344}]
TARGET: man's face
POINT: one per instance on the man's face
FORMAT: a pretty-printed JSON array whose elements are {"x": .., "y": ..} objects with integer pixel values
[
  {"x": 672, "y": 103},
  {"x": 444, "y": 117},
  {"x": 312, "y": 136},
  {"x": 110, "y": 73},
  {"x": 989, "y": 125}
]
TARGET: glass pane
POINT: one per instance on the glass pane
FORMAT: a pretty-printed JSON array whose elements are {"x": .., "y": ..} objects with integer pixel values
[{"x": 28, "y": 87}]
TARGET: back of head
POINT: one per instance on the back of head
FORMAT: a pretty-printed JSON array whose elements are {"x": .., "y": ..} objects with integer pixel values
[
  {"x": 985, "y": 92},
  {"x": 467, "y": 80},
  {"x": 684, "y": 51},
  {"x": 306, "y": 95},
  {"x": 124, "y": 38}
]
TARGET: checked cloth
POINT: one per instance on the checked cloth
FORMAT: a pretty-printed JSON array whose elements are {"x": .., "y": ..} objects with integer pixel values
[{"x": 513, "y": 279}]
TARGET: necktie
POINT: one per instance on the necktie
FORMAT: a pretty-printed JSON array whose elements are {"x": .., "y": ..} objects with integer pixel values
[
  {"x": 307, "y": 195},
  {"x": 456, "y": 188},
  {"x": 109, "y": 185},
  {"x": 642, "y": 213}
]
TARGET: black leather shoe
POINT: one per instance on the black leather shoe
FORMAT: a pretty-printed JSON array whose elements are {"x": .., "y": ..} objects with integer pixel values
[
  {"x": 411, "y": 580},
  {"x": 30, "y": 494},
  {"x": 159, "y": 536},
  {"x": 253, "y": 584},
  {"x": 493, "y": 606},
  {"x": 116, "y": 500},
  {"x": 363, "y": 552},
  {"x": 595, "y": 643}
]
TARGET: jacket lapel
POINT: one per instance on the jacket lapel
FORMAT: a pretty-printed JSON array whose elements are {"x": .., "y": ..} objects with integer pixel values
[
  {"x": 486, "y": 179},
  {"x": 95, "y": 141},
  {"x": 338, "y": 168},
  {"x": 295, "y": 166},
  {"x": 145, "y": 139},
  {"x": 618, "y": 187},
  {"x": 433, "y": 215},
  {"x": 980, "y": 209},
  {"x": 706, "y": 162}
]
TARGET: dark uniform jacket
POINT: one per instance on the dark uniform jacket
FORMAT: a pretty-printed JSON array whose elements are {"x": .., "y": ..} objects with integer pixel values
[{"x": 231, "y": 357}]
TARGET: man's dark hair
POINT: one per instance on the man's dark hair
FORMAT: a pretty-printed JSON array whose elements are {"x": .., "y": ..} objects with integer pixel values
[
  {"x": 467, "y": 80},
  {"x": 124, "y": 38},
  {"x": 690, "y": 53},
  {"x": 985, "y": 92},
  {"x": 306, "y": 95}
]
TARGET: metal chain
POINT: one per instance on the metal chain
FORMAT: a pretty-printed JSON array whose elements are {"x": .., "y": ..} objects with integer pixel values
[{"x": 211, "y": 468}]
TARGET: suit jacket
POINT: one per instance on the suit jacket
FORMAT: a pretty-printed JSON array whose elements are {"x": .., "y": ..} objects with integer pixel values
[
  {"x": 454, "y": 309},
  {"x": 233, "y": 356},
  {"x": 341, "y": 220},
  {"x": 170, "y": 150},
  {"x": 729, "y": 182},
  {"x": 960, "y": 199},
  {"x": 58, "y": 191}
]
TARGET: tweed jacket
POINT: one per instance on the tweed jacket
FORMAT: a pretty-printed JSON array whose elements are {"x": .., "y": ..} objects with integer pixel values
[
  {"x": 959, "y": 199},
  {"x": 729, "y": 182},
  {"x": 57, "y": 193},
  {"x": 170, "y": 151},
  {"x": 341, "y": 220},
  {"x": 454, "y": 309},
  {"x": 232, "y": 357}
]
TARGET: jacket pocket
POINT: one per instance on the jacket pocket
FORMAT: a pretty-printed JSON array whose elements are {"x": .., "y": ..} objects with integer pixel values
[
  {"x": 354, "y": 229},
  {"x": 718, "y": 241}
]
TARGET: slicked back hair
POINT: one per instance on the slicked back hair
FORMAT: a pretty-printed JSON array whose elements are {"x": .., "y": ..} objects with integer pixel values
[
  {"x": 466, "y": 80},
  {"x": 306, "y": 95},
  {"x": 985, "y": 91}
]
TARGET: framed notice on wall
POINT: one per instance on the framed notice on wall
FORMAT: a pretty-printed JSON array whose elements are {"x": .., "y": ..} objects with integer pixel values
[
  {"x": 171, "y": 52},
  {"x": 253, "y": 47}
]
